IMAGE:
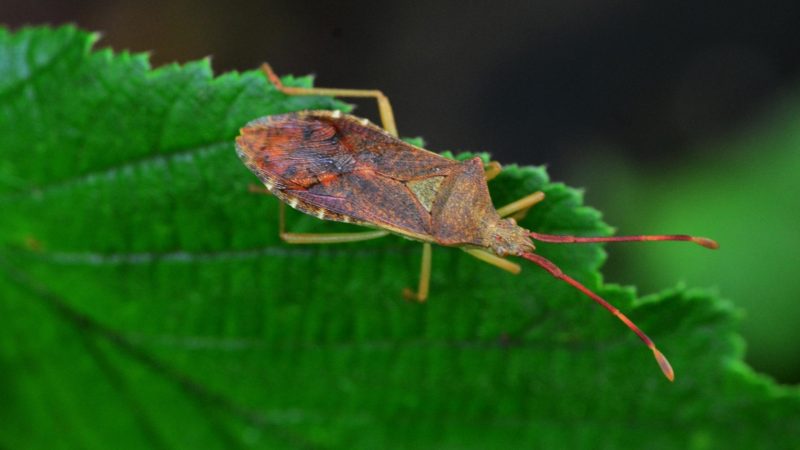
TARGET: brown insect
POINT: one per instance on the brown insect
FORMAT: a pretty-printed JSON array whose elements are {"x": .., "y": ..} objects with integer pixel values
[{"x": 343, "y": 168}]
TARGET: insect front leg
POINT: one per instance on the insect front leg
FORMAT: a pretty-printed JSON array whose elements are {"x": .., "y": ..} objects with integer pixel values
[
  {"x": 494, "y": 260},
  {"x": 519, "y": 208},
  {"x": 384, "y": 107},
  {"x": 492, "y": 170}
]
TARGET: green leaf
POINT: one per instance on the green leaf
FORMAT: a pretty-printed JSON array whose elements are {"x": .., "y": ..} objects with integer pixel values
[{"x": 147, "y": 302}]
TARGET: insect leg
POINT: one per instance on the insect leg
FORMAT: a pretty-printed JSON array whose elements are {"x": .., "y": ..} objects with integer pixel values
[
  {"x": 492, "y": 170},
  {"x": 494, "y": 260},
  {"x": 519, "y": 208},
  {"x": 315, "y": 238},
  {"x": 323, "y": 238},
  {"x": 424, "y": 277},
  {"x": 384, "y": 107}
]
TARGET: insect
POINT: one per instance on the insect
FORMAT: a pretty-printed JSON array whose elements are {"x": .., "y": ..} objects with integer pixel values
[{"x": 339, "y": 167}]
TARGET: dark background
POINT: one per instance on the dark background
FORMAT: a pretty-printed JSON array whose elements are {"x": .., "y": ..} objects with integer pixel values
[{"x": 571, "y": 84}]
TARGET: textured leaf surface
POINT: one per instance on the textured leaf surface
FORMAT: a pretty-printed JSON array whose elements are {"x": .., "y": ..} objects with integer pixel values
[{"x": 146, "y": 302}]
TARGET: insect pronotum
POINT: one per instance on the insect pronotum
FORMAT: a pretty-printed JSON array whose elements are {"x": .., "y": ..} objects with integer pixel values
[{"x": 339, "y": 167}]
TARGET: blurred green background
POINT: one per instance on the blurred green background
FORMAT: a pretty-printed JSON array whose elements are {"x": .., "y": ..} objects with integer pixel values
[{"x": 675, "y": 116}]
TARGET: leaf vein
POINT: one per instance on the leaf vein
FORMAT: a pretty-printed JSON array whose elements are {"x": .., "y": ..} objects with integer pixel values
[
  {"x": 110, "y": 173},
  {"x": 35, "y": 72}
]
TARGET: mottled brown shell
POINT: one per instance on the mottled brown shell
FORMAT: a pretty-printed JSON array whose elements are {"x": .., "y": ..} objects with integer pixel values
[{"x": 340, "y": 167}]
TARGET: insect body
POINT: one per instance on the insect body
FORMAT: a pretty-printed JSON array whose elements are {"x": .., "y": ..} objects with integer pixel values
[{"x": 340, "y": 167}]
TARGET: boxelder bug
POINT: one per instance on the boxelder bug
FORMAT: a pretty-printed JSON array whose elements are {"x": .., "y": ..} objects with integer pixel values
[{"x": 343, "y": 168}]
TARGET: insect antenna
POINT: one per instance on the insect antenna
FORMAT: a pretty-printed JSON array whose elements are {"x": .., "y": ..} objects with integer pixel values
[
  {"x": 558, "y": 239},
  {"x": 554, "y": 270}
]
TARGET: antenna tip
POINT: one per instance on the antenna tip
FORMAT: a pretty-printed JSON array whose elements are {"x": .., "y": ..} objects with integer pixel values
[
  {"x": 664, "y": 364},
  {"x": 706, "y": 242}
]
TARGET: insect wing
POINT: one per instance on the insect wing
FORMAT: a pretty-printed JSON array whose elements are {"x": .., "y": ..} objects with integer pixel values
[{"x": 341, "y": 165}]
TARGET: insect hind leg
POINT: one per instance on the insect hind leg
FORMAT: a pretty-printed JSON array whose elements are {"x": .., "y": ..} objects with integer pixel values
[{"x": 384, "y": 107}]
